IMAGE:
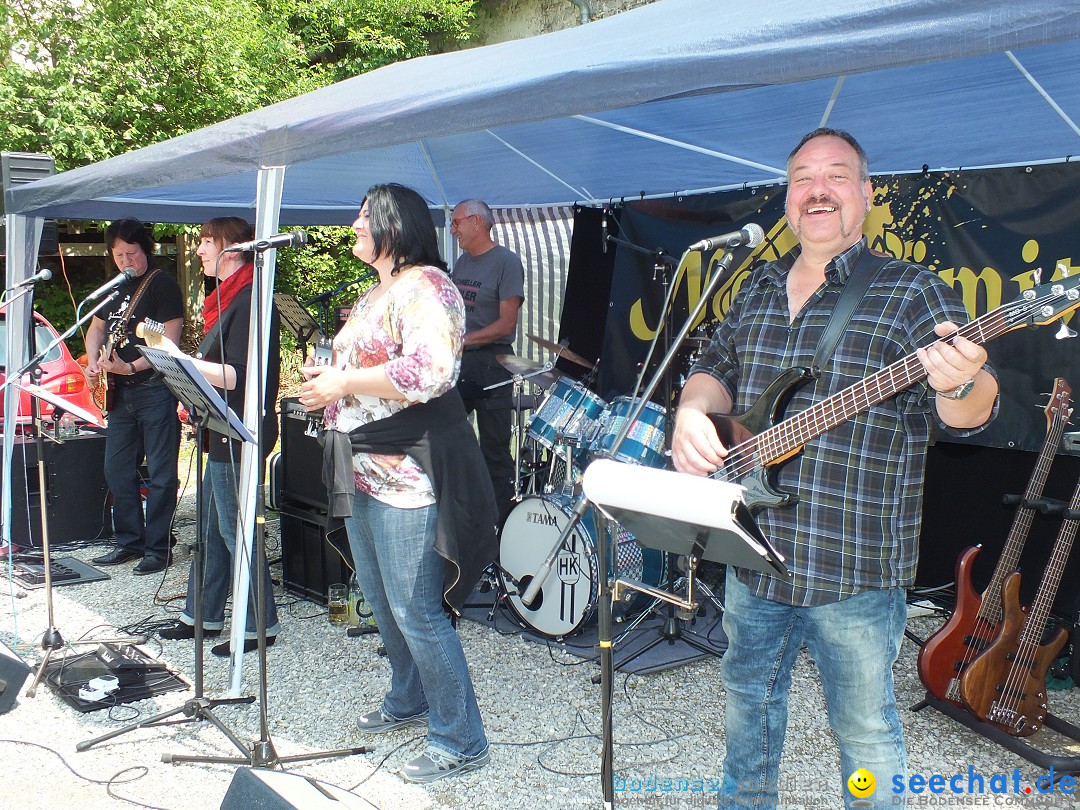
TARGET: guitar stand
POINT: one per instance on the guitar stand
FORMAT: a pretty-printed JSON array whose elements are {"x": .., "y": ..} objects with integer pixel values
[
  {"x": 1064, "y": 765},
  {"x": 1061, "y": 765}
]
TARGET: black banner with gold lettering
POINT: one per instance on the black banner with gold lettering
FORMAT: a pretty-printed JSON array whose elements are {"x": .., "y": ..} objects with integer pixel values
[{"x": 987, "y": 233}]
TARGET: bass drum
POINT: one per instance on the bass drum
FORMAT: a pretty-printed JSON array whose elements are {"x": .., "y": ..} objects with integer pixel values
[{"x": 567, "y": 600}]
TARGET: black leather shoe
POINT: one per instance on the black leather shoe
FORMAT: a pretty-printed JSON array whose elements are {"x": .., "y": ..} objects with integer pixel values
[
  {"x": 116, "y": 556},
  {"x": 150, "y": 565},
  {"x": 178, "y": 631},
  {"x": 224, "y": 650}
]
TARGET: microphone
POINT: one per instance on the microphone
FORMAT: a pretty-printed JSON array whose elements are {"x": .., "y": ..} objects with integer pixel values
[
  {"x": 749, "y": 236},
  {"x": 112, "y": 284},
  {"x": 294, "y": 239},
  {"x": 41, "y": 275},
  {"x": 603, "y": 231}
]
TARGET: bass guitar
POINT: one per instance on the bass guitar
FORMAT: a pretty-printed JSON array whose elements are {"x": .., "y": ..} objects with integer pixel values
[
  {"x": 754, "y": 448},
  {"x": 975, "y": 620},
  {"x": 1006, "y": 685}
]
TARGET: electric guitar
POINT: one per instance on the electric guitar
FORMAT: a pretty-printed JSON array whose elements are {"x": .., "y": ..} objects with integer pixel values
[
  {"x": 102, "y": 390},
  {"x": 1006, "y": 685},
  {"x": 975, "y": 620},
  {"x": 153, "y": 335},
  {"x": 754, "y": 447}
]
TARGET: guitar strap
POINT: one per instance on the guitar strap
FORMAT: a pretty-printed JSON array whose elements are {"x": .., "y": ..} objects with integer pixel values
[
  {"x": 862, "y": 274},
  {"x": 138, "y": 294}
]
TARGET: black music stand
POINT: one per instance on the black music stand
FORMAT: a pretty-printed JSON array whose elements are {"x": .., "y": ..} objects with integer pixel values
[
  {"x": 208, "y": 410},
  {"x": 300, "y": 323}
]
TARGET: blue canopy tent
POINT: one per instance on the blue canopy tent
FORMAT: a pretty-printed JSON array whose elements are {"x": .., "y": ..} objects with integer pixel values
[
  {"x": 678, "y": 95},
  {"x": 674, "y": 97}
]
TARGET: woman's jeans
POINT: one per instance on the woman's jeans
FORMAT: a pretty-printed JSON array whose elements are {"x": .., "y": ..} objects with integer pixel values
[
  {"x": 220, "y": 511},
  {"x": 401, "y": 577}
]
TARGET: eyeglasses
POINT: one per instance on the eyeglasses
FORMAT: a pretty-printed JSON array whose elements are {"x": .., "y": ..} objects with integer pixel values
[{"x": 456, "y": 223}]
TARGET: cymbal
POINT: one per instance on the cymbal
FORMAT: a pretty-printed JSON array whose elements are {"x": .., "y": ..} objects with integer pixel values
[
  {"x": 525, "y": 367},
  {"x": 562, "y": 351}
]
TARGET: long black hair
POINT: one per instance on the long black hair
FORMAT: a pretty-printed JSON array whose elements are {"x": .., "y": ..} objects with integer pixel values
[{"x": 400, "y": 226}]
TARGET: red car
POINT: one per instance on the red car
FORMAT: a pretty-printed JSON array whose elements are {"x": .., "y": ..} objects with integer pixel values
[{"x": 60, "y": 373}]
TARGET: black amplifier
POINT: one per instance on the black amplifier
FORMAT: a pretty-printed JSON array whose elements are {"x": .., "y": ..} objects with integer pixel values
[
  {"x": 314, "y": 552},
  {"x": 299, "y": 478},
  {"x": 76, "y": 496}
]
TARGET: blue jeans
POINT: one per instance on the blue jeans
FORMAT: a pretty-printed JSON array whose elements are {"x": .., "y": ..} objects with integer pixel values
[
  {"x": 220, "y": 509},
  {"x": 143, "y": 425},
  {"x": 401, "y": 577},
  {"x": 854, "y": 644}
]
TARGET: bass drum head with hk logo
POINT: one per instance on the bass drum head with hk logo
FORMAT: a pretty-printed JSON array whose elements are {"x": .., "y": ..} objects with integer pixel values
[{"x": 568, "y": 596}]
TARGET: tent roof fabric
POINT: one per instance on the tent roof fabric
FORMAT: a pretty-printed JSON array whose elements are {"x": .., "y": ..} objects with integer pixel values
[{"x": 674, "y": 96}]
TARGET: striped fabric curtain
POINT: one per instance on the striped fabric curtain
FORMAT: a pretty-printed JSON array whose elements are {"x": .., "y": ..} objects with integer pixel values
[{"x": 541, "y": 237}]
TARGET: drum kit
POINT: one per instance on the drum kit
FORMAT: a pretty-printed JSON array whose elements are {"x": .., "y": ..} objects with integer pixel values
[{"x": 570, "y": 427}]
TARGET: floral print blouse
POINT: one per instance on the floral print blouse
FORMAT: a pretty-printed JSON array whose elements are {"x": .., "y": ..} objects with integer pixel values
[{"x": 415, "y": 330}]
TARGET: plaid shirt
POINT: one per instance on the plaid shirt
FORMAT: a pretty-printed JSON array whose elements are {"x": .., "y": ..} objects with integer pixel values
[{"x": 860, "y": 486}]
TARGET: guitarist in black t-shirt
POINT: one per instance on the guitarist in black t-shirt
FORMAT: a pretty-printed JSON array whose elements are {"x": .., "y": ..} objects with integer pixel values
[{"x": 143, "y": 425}]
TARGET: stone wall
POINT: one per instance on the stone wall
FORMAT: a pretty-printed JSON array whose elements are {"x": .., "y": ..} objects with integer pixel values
[{"x": 504, "y": 20}]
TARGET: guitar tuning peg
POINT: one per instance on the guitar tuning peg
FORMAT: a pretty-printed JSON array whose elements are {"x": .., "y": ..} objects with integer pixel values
[
  {"x": 1063, "y": 269},
  {"x": 1064, "y": 332},
  {"x": 1036, "y": 276}
]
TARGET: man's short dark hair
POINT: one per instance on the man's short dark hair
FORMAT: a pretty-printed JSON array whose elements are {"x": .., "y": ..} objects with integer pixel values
[{"x": 847, "y": 137}]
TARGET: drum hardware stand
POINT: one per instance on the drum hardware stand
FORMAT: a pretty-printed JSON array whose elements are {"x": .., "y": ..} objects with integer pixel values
[
  {"x": 518, "y": 381},
  {"x": 51, "y": 639},
  {"x": 581, "y": 506}
]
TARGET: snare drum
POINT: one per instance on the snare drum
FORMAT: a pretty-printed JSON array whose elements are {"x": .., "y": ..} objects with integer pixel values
[
  {"x": 570, "y": 412},
  {"x": 568, "y": 598},
  {"x": 644, "y": 442}
]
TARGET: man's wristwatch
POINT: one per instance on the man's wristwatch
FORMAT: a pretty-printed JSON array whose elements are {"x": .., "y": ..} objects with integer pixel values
[{"x": 960, "y": 391}]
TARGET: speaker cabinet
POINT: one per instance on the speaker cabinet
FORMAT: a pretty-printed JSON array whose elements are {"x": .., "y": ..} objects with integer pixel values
[
  {"x": 75, "y": 497},
  {"x": 314, "y": 552},
  {"x": 13, "y": 672},
  {"x": 260, "y": 789},
  {"x": 17, "y": 168},
  {"x": 300, "y": 479}
]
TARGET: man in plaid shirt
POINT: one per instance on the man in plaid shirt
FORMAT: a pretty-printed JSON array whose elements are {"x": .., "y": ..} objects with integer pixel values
[{"x": 851, "y": 540}]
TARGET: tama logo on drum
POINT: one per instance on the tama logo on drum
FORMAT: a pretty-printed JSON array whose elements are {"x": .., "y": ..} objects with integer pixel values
[{"x": 543, "y": 518}]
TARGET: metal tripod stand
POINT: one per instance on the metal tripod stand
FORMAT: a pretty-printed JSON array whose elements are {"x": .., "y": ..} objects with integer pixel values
[{"x": 210, "y": 411}]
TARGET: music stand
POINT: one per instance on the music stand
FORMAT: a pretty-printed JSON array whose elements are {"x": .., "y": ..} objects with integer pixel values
[
  {"x": 208, "y": 410},
  {"x": 681, "y": 514},
  {"x": 300, "y": 323}
]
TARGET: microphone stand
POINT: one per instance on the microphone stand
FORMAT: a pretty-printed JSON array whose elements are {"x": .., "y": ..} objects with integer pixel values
[
  {"x": 322, "y": 300},
  {"x": 672, "y": 630},
  {"x": 51, "y": 640},
  {"x": 581, "y": 506}
]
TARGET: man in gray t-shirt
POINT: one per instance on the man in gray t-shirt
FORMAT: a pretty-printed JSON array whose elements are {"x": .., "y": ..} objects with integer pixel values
[{"x": 492, "y": 283}]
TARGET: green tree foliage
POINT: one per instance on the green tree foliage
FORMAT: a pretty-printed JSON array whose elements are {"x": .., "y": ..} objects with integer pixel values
[
  {"x": 84, "y": 80},
  {"x": 87, "y": 80}
]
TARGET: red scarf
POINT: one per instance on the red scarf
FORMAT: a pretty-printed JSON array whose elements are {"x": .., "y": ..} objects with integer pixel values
[{"x": 218, "y": 301}]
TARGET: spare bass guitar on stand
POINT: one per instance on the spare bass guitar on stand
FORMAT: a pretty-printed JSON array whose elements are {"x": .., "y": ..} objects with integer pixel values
[{"x": 976, "y": 620}]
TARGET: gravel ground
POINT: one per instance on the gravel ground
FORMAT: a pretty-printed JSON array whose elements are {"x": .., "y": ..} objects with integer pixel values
[{"x": 540, "y": 705}]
